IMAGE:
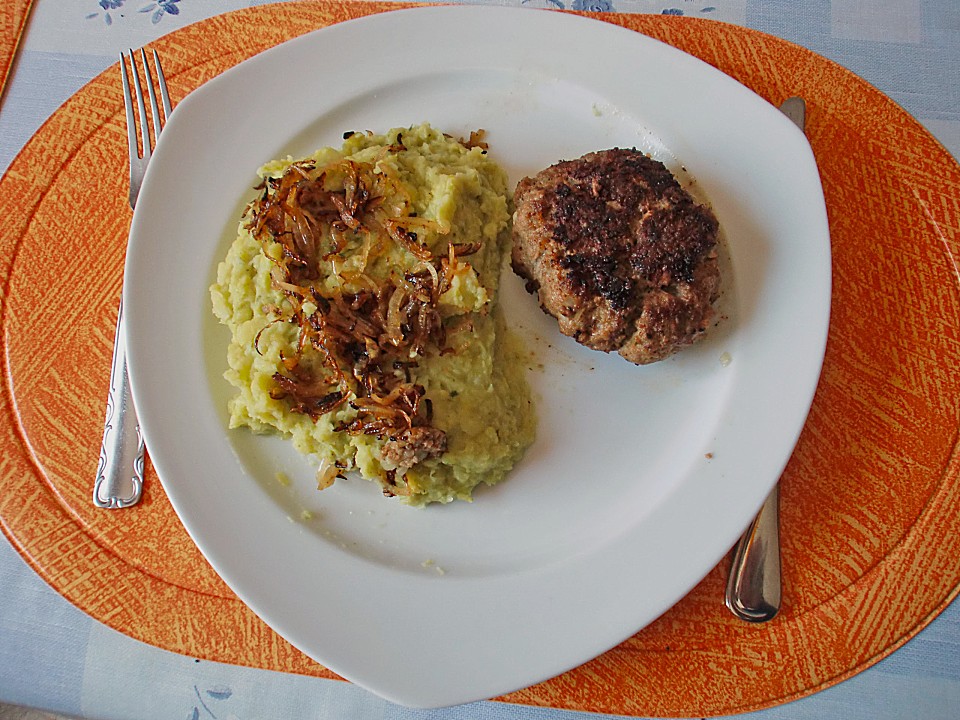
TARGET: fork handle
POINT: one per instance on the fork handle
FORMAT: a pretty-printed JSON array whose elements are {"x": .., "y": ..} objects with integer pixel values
[{"x": 119, "y": 481}]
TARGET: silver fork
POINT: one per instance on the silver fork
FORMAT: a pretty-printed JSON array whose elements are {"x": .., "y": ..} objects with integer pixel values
[{"x": 119, "y": 482}]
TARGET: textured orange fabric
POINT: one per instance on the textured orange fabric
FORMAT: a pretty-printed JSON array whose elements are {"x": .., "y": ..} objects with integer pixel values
[
  {"x": 13, "y": 21},
  {"x": 871, "y": 502}
]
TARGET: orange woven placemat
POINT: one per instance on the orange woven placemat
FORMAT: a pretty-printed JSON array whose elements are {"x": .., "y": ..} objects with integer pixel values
[
  {"x": 871, "y": 502},
  {"x": 13, "y": 21}
]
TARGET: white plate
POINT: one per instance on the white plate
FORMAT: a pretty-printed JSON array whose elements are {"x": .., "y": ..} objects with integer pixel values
[{"x": 640, "y": 478}]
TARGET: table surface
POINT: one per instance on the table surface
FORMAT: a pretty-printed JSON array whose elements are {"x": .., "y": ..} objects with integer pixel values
[{"x": 54, "y": 657}]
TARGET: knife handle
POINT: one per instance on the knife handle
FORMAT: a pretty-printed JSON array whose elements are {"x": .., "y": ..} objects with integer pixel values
[
  {"x": 753, "y": 588},
  {"x": 796, "y": 109}
]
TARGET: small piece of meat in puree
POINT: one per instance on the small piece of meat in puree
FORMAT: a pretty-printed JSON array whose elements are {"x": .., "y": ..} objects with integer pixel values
[
  {"x": 619, "y": 253},
  {"x": 414, "y": 445}
]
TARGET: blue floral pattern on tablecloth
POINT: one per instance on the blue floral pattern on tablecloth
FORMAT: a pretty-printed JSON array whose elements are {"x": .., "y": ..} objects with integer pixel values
[
  {"x": 110, "y": 9},
  {"x": 205, "y": 706},
  {"x": 593, "y": 5}
]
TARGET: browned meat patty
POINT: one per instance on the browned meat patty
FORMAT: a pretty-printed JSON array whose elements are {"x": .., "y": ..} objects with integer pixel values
[{"x": 619, "y": 253}]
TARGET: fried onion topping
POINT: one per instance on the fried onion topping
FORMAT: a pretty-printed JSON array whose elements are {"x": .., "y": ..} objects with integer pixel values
[{"x": 359, "y": 341}]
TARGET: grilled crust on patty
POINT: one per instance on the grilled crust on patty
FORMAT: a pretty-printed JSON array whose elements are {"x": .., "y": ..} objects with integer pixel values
[{"x": 618, "y": 252}]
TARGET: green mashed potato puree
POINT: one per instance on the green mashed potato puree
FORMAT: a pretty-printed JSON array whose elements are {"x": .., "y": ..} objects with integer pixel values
[{"x": 361, "y": 295}]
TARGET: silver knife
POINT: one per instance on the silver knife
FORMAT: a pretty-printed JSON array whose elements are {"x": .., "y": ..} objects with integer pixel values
[
  {"x": 795, "y": 109},
  {"x": 754, "y": 585}
]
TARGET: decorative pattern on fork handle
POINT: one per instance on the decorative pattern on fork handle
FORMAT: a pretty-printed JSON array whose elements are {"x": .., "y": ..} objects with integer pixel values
[{"x": 119, "y": 482}]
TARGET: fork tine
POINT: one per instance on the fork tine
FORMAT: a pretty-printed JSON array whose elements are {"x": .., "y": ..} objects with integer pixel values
[
  {"x": 139, "y": 158},
  {"x": 161, "y": 81},
  {"x": 152, "y": 94},
  {"x": 134, "y": 156},
  {"x": 141, "y": 107},
  {"x": 128, "y": 106}
]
